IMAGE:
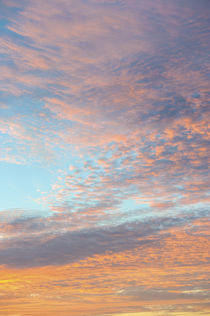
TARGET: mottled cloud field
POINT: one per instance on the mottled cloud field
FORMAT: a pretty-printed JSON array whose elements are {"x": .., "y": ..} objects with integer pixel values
[{"x": 104, "y": 154}]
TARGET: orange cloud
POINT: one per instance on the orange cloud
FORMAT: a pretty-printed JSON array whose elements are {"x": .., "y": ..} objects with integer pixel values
[{"x": 166, "y": 272}]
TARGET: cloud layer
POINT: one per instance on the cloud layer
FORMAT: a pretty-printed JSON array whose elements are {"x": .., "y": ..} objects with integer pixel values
[{"x": 105, "y": 104}]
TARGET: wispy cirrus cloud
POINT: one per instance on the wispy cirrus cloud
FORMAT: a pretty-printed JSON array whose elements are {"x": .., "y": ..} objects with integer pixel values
[{"x": 101, "y": 90}]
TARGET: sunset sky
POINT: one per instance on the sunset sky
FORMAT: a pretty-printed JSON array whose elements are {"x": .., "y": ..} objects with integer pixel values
[{"x": 104, "y": 152}]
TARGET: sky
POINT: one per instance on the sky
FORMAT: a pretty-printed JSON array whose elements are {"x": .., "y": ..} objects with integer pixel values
[{"x": 104, "y": 152}]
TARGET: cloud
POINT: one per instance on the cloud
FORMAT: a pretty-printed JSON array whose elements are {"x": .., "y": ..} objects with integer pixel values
[
  {"x": 117, "y": 90},
  {"x": 148, "y": 266},
  {"x": 37, "y": 242},
  {"x": 95, "y": 90}
]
